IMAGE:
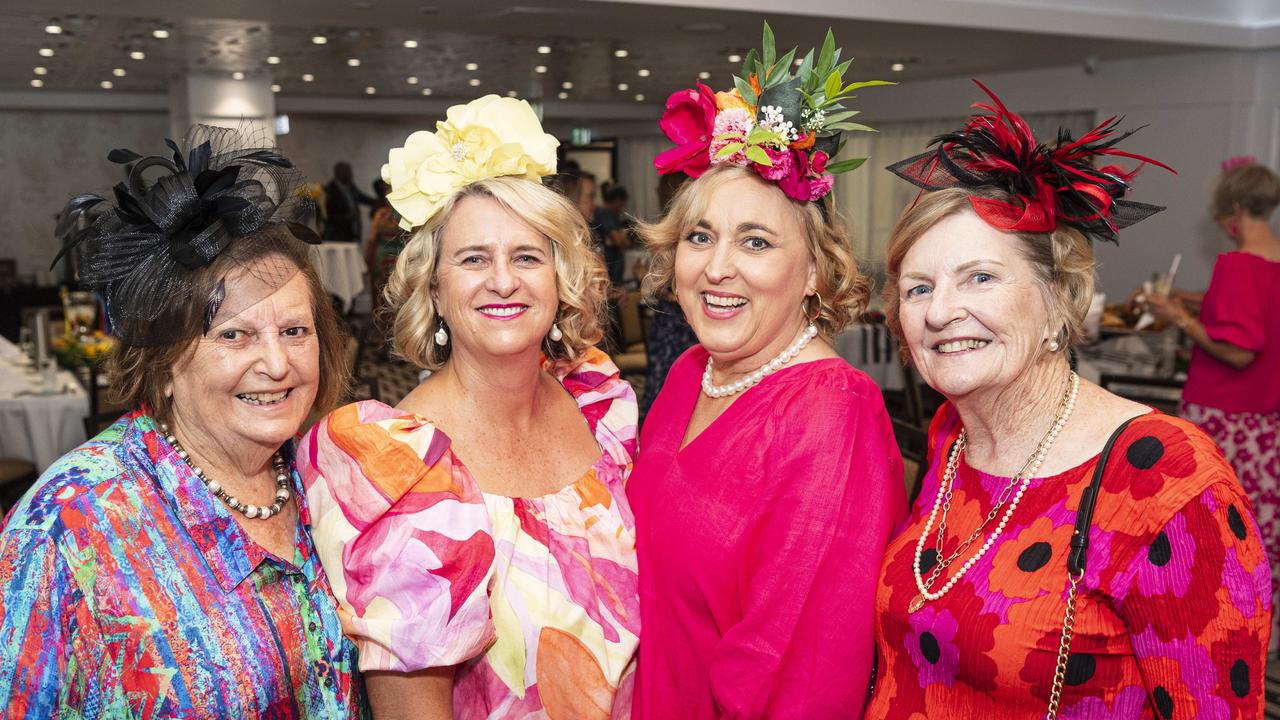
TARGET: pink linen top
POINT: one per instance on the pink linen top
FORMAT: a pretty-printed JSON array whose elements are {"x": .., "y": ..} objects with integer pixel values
[
  {"x": 760, "y": 544},
  {"x": 533, "y": 599},
  {"x": 1241, "y": 307}
]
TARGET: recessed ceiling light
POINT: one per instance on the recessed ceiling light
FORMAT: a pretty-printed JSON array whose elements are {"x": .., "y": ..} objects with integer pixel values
[
  {"x": 160, "y": 34},
  {"x": 46, "y": 52},
  {"x": 643, "y": 72},
  {"x": 540, "y": 69},
  {"x": 472, "y": 67},
  {"x": 544, "y": 49},
  {"x": 237, "y": 75},
  {"x": 370, "y": 90},
  {"x": 319, "y": 39},
  {"x": 735, "y": 58},
  {"x": 511, "y": 93},
  {"x": 308, "y": 77},
  {"x": 473, "y": 82},
  {"x": 563, "y": 96},
  {"x": 639, "y": 97},
  {"x": 273, "y": 60},
  {"x": 106, "y": 84},
  {"x": 566, "y": 85},
  {"x": 275, "y": 88},
  {"x": 37, "y": 82},
  {"x": 353, "y": 62},
  {"x": 40, "y": 70},
  {"x": 412, "y": 80},
  {"x": 426, "y": 91},
  {"x": 622, "y": 87},
  {"x": 53, "y": 29},
  {"x": 137, "y": 55},
  {"x": 704, "y": 75},
  {"x": 897, "y": 67},
  {"x": 619, "y": 53},
  {"x": 411, "y": 44},
  {"x": 119, "y": 72}
]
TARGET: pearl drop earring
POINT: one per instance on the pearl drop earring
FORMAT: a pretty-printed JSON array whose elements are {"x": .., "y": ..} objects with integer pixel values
[
  {"x": 441, "y": 337},
  {"x": 555, "y": 335}
]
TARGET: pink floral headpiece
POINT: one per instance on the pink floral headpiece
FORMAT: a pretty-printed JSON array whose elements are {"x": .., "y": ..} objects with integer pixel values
[
  {"x": 1238, "y": 161},
  {"x": 786, "y": 127}
]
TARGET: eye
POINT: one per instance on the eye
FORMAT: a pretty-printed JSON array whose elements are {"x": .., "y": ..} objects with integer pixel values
[
  {"x": 757, "y": 243},
  {"x": 231, "y": 335},
  {"x": 527, "y": 259},
  {"x": 982, "y": 277},
  {"x": 697, "y": 237},
  {"x": 297, "y": 331},
  {"x": 473, "y": 260},
  {"x": 917, "y": 291}
]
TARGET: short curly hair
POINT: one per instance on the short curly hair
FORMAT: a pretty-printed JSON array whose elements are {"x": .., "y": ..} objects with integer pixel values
[
  {"x": 1251, "y": 188},
  {"x": 1063, "y": 261},
  {"x": 842, "y": 291},
  {"x": 581, "y": 280}
]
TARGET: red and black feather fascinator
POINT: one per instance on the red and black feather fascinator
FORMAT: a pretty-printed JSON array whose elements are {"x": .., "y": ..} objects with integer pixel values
[{"x": 1047, "y": 186}]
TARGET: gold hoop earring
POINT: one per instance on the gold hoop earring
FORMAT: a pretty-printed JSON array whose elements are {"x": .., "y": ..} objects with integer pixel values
[{"x": 817, "y": 311}]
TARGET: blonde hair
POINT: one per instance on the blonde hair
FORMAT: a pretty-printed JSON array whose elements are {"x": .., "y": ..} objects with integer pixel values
[
  {"x": 1251, "y": 188},
  {"x": 842, "y": 291},
  {"x": 1063, "y": 261},
  {"x": 580, "y": 274}
]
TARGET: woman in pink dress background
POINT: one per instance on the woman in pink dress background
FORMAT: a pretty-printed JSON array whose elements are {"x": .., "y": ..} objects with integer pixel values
[
  {"x": 1233, "y": 383},
  {"x": 769, "y": 481}
]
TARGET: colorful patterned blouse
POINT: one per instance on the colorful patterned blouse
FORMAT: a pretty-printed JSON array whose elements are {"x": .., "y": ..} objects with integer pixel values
[
  {"x": 534, "y": 599},
  {"x": 1174, "y": 611},
  {"x": 128, "y": 591}
]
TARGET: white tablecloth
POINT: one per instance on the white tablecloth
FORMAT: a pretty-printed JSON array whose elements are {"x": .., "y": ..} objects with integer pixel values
[
  {"x": 873, "y": 350},
  {"x": 39, "y": 422},
  {"x": 341, "y": 268}
]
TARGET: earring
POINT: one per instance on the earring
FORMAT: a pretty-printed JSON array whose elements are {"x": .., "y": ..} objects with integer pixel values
[
  {"x": 441, "y": 337},
  {"x": 1053, "y": 346},
  {"x": 555, "y": 335}
]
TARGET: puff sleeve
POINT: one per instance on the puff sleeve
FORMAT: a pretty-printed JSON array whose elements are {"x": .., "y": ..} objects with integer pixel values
[{"x": 403, "y": 535}]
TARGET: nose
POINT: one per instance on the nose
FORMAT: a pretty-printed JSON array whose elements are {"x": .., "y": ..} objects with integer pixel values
[
  {"x": 720, "y": 265},
  {"x": 273, "y": 359},
  {"x": 945, "y": 307},
  {"x": 502, "y": 280}
]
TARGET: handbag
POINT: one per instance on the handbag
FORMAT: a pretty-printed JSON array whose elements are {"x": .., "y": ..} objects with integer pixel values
[{"x": 1076, "y": 567}]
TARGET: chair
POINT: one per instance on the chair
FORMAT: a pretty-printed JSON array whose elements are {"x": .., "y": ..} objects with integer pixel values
[
  {"x": 16, "y": 477},
  {"x": 633, "y": 358},
  {"x": 913, "y": 443}
]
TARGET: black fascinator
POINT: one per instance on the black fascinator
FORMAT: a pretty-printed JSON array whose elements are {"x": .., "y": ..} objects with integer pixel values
[{"x": 217, "y": 197}]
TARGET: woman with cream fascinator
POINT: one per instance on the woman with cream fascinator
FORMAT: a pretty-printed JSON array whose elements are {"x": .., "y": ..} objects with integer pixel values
[{"x": 477, "y": 535}]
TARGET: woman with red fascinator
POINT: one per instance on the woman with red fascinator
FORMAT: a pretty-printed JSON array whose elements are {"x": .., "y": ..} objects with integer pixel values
[{"x": 1070, "y": 551}]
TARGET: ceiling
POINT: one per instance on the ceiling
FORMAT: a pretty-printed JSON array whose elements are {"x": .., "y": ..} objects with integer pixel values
[{"x": 672, "y": 44}]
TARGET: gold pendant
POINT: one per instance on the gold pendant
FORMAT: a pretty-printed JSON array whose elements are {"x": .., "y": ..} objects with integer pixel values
[{"x": 916, "y": 603}]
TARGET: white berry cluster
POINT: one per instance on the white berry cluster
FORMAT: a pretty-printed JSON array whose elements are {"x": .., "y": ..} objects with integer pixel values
[
  {"x": 771, "y": 117},
  {"x": 811, "y": 119}
]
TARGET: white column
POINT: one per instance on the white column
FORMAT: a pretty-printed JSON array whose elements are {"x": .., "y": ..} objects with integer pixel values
[{"x": 218, "y": 99}]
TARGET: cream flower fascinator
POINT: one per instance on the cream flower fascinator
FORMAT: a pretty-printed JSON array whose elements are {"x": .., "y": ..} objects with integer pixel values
[{"x": 487, "y": 138}]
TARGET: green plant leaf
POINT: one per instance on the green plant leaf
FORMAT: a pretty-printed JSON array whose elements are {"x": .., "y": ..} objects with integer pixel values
[
  {"x": 846, "y": 165},
  {"x": 826, "y": 57},
  {"x": 832, "y": 87},
  {"x": 806, "y": 69},
  {"x": 744, "y": 89},
  {"x": 760, "y": 135},
  {"x": 756, "y": 154},
  {"x": 864, "y": 84},
  {"x": 843, "y": 67},
  {"x": 751, "y": 63},
  {"x": 726, "y": 136},
  {"x": 851, "y": 126},
  {"x": 837, "y": 117},
  {"x": 781, "y": 69},
  {"x": 767, "y": 47},
  {"x": 729, "y": 149}
]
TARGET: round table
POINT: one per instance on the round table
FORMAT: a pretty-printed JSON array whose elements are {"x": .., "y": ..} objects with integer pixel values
[
  {"x": 341, "y": 268},
  {"x": 41, "y": 415}
]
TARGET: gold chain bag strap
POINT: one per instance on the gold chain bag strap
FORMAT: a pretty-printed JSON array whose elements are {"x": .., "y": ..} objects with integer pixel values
[{"x": 1076, "y": 567}]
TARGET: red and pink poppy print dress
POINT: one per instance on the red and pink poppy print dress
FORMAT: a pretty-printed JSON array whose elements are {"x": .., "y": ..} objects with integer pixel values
[
  {"x": 533, "y": 599},
  {"x": 1174, "y": 611}
]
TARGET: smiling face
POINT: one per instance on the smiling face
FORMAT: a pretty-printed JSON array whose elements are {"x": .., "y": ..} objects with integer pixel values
[
  {"x": 743, "y": 271},
  {"x": 972, "y": 309},
  {"x": 253, "y": 377},
  {"x": 495, "y": 281}
]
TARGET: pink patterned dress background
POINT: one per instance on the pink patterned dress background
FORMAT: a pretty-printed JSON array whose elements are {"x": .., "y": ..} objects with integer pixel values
[{"x": 534, "y": 599}]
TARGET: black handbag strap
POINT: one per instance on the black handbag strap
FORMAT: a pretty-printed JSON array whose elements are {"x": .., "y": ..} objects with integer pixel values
[{"x": 1084, "y": 516}]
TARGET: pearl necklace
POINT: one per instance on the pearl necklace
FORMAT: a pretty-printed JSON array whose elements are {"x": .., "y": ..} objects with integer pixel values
[
  {"x": 1021, "y": 479},
  {"x": 253, "y": 512},
  {"x": 737, "y": 386}
]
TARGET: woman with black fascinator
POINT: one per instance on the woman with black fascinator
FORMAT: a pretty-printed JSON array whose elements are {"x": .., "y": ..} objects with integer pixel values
[{"x": 165, "y": 568}]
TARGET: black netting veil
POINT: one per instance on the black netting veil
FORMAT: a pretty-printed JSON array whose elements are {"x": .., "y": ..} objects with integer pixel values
[{"x": 193, "y": 238}]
